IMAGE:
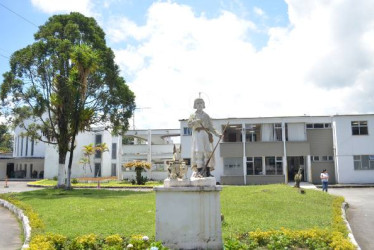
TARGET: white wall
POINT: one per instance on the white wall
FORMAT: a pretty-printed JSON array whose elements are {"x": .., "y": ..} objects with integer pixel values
[
  {"x": 348, "y": 145},
  {"x": 19, "y": 145},
  {"x": 3, "y": 165},
  {"x": 51, "y": 156}
]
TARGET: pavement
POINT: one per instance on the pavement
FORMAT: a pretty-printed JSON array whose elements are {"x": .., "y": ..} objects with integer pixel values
[
  {"x": 360, "y": 213},
  {"x": 10, "y": 229}
]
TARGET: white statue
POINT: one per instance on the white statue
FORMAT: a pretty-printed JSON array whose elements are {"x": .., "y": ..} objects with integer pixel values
[
  {"x": 177, "y": 167},
  {"x": 202, "y": 158}
]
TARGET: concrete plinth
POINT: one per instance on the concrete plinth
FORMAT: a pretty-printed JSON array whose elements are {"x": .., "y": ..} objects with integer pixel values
[{"x": 189, "y": 217}]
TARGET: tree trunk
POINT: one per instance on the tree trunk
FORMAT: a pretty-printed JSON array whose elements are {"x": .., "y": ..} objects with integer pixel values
[
  {"x": 68, "y": 185},
  {"x": 61, "y": 172}
]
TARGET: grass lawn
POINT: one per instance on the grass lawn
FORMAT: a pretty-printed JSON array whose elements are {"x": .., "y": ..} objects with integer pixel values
[{"x": 245, "y": 208}]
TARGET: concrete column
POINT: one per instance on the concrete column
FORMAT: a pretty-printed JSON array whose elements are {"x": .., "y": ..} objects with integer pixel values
[
  {"x": 309, "y": 167},
  {"x": 244, "y": 155},
  {"x": 149, "y": 155},
  {"x": 285, "y": 166}
]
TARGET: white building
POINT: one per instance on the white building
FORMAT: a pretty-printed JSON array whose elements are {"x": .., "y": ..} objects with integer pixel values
[
  {"x": 253, "y": 151},
  {"x": 102, "y": 164},
  {"x": 31, "y": 159},
  {"x": 272, "y": 149}
]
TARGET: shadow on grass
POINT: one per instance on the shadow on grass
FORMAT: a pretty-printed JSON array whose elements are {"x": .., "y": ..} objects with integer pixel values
[{"x": 51, "y": 193}]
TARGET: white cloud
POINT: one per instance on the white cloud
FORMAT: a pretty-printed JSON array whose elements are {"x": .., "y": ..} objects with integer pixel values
[
  {"x": 55, "y": 6},
  {"x": 321, "y": 64},
  {"x": 259, "y": 12}
]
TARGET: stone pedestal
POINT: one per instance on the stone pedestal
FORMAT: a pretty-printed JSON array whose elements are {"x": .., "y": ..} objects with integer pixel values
[{"x": 188, "y": 214}]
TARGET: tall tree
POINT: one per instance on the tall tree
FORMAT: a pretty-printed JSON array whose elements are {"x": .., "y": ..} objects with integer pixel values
[
  {"x": 6, "y": 139},
  {"x": 66, "y": 82}
]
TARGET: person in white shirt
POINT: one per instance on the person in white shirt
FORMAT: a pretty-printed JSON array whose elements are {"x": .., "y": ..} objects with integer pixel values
[{"x": 325, "y": 180}]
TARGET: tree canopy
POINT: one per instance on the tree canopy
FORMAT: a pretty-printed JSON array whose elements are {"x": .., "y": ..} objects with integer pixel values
[
  {"x": 66, "y": 82},
  {"x": 6, "y": 139}
]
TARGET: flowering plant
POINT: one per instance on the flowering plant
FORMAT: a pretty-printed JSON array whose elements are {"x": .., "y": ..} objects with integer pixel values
[
  {"x": 138, "y": 164},
  {"x": 139, "y": 167}
]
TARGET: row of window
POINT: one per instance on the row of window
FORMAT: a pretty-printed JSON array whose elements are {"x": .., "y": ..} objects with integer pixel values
[
  {"x": 22, "y": 146},
  {"x": 273, "y": 166},
  {"x": 23, "y": 171},
  {"x": 322, "y": 158},
  {"x": 269, "y": 165},
  {"x": 318, "y": 125},
  {"x": 253, "y": 131},
  {"x": 363, "y": 162}
]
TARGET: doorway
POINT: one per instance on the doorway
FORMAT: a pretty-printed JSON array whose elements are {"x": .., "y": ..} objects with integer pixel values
[
  {"x": 97, "y": 169},
  {"x": 294, "y": 163},
  {"x": 10, "y": 170}
]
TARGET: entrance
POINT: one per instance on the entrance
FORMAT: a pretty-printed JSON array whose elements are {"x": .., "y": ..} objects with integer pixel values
[
  {"x": 10, "y": 170},
  {"x": 294, "y": 163}
]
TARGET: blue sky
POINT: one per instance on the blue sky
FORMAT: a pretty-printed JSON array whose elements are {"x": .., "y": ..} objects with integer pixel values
[{"x": 249, "y": 58}]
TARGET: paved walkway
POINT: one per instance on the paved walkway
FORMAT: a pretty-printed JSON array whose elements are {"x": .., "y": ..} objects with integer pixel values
[
  {"x": 10, "y": 229},
  {"x": 10, "y": 232},
  {"x": 360, "y": 213}
]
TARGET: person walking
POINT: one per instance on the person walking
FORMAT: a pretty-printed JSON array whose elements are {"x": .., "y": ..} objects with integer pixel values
[{"x": 325, "y": 180}]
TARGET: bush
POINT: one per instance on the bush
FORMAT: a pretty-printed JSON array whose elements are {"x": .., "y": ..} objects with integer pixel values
[
  {"x": 89, "y": 241},
  {"x": 74, "y": 181},
  {"x": 51, "y": 241},
  {"x": 114, "y": 240},
  {"x": 55, "y": 178},
  {"x": 48, "y": 241}
]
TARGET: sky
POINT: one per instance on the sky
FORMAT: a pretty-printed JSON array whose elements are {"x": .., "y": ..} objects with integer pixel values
[{"x": 247, "y": 58}]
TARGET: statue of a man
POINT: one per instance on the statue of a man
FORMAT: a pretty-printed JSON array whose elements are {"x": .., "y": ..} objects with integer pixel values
[{"x": 202, "y": 160}]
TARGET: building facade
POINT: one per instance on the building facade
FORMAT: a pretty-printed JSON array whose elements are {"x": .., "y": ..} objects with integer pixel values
[
  {"x": 155, "y": 146},
  {"x": 103, "y": 164},
  {"x": 272, "y": 149}
]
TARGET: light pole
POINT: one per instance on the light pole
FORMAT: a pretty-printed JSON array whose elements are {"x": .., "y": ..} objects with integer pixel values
[{"x": 133, "y": 116}]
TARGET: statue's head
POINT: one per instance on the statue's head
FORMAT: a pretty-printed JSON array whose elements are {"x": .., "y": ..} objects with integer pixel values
[{"x": 198, "y": 100}]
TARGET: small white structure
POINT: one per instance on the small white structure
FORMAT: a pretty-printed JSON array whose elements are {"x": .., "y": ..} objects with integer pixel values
[{"x": 188, "y": 214}]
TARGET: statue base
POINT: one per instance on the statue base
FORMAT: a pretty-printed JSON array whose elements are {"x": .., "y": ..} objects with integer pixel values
[
  {"x": 188, "y": 214},
  {"x": 193, "y": 182}
]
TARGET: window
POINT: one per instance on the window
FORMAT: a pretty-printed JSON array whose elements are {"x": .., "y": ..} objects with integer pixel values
[
  {"x": 98, "y": 139},
  {"x": 21, "y": 146},
  {"x": 233, "y": 166},
  {"x": 233, "y": 133},
  {"x": 363, "y": 162},
  {"x": 187, "y": 131},
  {"x": 318, "y": 125},
  {"x": 31, "y": 169},
  {"x": 254, "y": 166},
  {"x": 359, "y": 127},
  {"x": 274, "y": 165},
  {"x": 327, "y": 125},
  {"x": 114, "y": 151},
  {"x": 114, "y": 169},
  {"x": 97, "y": 170},
  {"x": 18, "y": 138},
  {"x": 253, "y": 132},
  {"x": 315, "y": 158},
  {"x": 32, "y": 147},
  {"x": 27, "y": 145},
  {"x": 278, "y": 131}
]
